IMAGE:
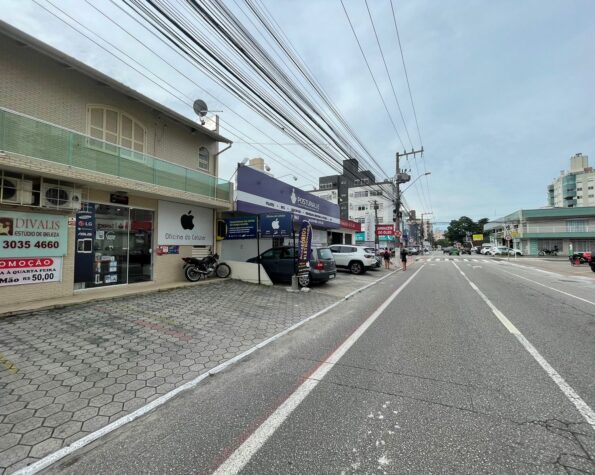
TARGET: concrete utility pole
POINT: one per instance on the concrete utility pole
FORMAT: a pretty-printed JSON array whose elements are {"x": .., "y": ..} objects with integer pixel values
[
  {"x": 401, "y": 178},
  {"x": 376, "y": 224}
]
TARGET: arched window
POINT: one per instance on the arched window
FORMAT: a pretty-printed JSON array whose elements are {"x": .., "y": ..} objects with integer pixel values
[
  {"x": 116, "y": 127},
  {"x": 203, "y": 159}
]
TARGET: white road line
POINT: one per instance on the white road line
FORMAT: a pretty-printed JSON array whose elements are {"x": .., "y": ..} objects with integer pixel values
[
  {"x": 466, "y": 260},
  {"x": 568, "y": 391},
  {"x": 485, "y": 260},
  {"x": 550, "y": 288},
  {"x": 141, "y": 411},
  {"x": 242, "y": 455}
]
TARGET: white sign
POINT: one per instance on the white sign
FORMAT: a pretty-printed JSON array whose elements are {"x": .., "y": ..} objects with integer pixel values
[
  {"x": 179, "y": 224},
  {"x": 30, "y": 270}
]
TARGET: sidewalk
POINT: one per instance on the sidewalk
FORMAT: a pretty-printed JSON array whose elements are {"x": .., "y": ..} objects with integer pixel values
[{"x": 67, "y": 372}]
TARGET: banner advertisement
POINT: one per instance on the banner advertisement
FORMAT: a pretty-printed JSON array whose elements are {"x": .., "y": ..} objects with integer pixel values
[
  {"x": 30, "y": 270},
  {"x": 385, "y": 230},
  {"x": 276, "y": 224},
  {"x": 85, "y": 238},
  {"x": 259, "y": 193},
  {"x": 184, "y": 225},
  {"x": 348, "y": 224},
  {"x": 241, "y": 227},
  {"x": 305, "y": 248},
  {"x": 360, "y": 236},
  {"x": 33, "y": 234},
  {"x": 478, "y": 237}
]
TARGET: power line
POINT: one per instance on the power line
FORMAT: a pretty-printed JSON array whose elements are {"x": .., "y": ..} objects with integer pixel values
[{"x": 372, "y": 74}]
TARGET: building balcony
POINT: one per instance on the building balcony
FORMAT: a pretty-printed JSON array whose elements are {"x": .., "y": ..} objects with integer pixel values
[
  {"x": 42, "y": 142},
  {"x": 550, "y": 232}
]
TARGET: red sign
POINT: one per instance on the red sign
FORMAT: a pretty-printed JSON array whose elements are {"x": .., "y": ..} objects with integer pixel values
[
  {"x": 26, "y": 262},
  {"x": 385, "y": 230},
  {"x": 398, "y": 233},
  {"x": 348, "y": 224}
]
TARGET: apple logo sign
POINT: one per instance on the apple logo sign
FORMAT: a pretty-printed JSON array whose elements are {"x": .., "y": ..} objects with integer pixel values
[
  {"x": 275, "y": 224},
  {"x": 293, "y": 196},
  {"x": 187, "y": 221}
]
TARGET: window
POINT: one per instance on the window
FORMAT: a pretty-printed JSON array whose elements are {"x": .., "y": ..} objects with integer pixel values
[
  {"x": 362, "y": 208},
  {"x": 380, "y": 220},
  {"x": 576, "y": 225},
  {"x": 203, "y": 159},
  {"x": 326, "y": 186},
  {"x": 580, "y": 188},
  {"x": 360, "y": 194},
  {"x": 375, "y": 193},
  {"x": 591, "y": 196},
  {"x": 115, "y": 127}
]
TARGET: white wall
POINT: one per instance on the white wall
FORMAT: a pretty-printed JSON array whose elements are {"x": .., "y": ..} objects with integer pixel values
[{"x": 243, "y": 249}]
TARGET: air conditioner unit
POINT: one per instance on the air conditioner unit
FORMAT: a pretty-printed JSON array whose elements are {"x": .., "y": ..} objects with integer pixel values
[
  {"x": 60, "y": 196},
  {"x": 16, "y": 191}
]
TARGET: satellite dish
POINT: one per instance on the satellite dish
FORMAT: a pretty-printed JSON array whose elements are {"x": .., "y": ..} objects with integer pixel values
[{"x": 200, "y": 107}]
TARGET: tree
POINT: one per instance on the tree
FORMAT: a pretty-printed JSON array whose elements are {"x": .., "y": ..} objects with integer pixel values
[{"x": 459, "y": 229}]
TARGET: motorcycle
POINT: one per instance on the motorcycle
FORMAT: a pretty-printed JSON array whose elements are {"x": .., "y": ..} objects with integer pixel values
[
  {"x": 196, "y": 269},
  {"x": 580, "y": 258},
  {"x": 548, "y": 252}
]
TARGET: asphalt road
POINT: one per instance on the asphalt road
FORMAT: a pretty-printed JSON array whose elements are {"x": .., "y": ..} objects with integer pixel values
[{"x": 461, "y": 366}]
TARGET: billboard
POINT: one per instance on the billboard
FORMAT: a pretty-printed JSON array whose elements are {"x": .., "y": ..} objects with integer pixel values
[
  {"x": 184, "y": 225},
  {"x": 242, "y": 227},
  {"x": 259, "y": 193},
  {"x": 276, "y": 224},
  {"x": 24, "y": 234},
  {"x": 385, "y": 230}
]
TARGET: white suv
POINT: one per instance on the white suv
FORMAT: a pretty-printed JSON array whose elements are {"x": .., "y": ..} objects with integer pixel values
[{"x": 355, "y": 258}]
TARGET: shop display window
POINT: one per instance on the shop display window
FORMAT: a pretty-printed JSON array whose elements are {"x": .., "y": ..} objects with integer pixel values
[{"x": 113, "y": 245}]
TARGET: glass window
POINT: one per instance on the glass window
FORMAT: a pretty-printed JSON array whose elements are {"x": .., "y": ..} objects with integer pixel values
[
  {"x": 271, "y": 254},
  {"x": 325, "y": 253},
  {"x": 576, "y": 225},
  {"x": 203, "y": 158},
  {"x": 115, "y": 127}
]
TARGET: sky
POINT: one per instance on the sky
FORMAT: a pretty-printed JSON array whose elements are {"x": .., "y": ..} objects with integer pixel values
[{"x": 503, "y": 90}]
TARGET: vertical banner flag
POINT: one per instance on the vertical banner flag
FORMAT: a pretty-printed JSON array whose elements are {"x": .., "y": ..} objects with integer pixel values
[{"x": 305, "y": 248}]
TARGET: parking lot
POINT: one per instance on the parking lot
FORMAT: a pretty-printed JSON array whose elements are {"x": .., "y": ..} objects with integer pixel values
[{"x": 70, "y": 371}]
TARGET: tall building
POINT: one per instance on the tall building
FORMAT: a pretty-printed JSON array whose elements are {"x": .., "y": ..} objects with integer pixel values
[
  {"x": 351, "y": 176},
  {"x": 574, "y": 188}
]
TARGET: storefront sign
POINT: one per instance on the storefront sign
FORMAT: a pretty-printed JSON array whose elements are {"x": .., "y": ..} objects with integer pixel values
[
  {"x": 386, "y": 238},
  {"x": 32, "y": 234},
  {"x": 385, "y": 230},
  {"x": 348, "y": 224},
  {"x": 478, "y": 237},
  {"x": 276, "y": 224},
  {"x": 30, "y": 270},
  {"x": 184, "y": 225},
  {"x": 361, "y": 236},
  {"x": 85, "y": 237},
  {"x": 242, "y": 227},
  {"x": 259, "y": 193},
  {"x": 305, "y": 248}
]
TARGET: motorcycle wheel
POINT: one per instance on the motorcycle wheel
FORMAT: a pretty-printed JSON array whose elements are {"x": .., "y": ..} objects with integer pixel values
[
  {"x": 541, "y": 253},
  {"x": 223, "y": 271},
  {"x": 192, "y": 274}
]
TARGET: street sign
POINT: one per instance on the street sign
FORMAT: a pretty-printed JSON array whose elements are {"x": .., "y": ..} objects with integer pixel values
[
  {"x": 508, "y": 237},
  {"x": 385, "y": 230},
  {"x": 398, "y": 233}
]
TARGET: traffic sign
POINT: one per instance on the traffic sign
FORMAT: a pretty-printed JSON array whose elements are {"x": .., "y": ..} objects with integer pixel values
[
  {"x": 398, "y": 233},
  {"x": 508, "y": 237}
]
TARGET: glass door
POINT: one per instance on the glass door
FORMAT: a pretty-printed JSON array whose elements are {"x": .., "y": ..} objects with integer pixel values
[
  {"x": 140, "y": 256},
  {"x": 111, "y": 245}
]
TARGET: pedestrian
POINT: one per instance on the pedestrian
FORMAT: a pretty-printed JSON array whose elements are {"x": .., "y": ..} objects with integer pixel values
[
  {"x": 386, "y": 256},
  {"x": 403, "y": 257}
]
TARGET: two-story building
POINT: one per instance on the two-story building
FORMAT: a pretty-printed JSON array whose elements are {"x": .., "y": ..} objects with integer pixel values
[
  {"x": 533, "y": 230},
  {"x": 100, "y": 186}
]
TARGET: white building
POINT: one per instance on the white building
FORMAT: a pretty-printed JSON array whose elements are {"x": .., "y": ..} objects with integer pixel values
[{"x": 574, "y": 188}]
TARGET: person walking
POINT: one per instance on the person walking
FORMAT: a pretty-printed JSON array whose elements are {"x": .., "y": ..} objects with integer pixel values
[
  {"x": 403, "y": 257},
  {"x": 386, "y": 256}
]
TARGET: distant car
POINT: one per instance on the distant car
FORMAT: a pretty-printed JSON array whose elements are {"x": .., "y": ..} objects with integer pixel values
[
  {"x": 475, "y": 249},
  {"x": 354, "y": 258},
  {"x": 446, "y": 250},
  {"x": 454, "y": 251},
  {"x": 465, "y": 250},
  {"x": 517, "y": 252},
  {"x": 498, "y": 251},
  {"x": 485, "y": 248},
  {"x": 412, "y": 251},
  {"x": 280, "y": 264}
]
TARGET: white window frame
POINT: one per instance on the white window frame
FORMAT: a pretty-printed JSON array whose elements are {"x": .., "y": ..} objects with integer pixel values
[
  {"x": 117, "y": 148},
  {"x": 208, "y": 167}
]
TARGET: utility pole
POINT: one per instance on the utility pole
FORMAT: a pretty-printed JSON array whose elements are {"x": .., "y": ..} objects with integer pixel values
[
  {"x": 376, "y": 225},
  {"x": 401, "y": 178}
]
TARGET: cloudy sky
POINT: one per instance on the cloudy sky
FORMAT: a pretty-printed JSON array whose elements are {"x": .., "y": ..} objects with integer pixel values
[{"x": 504, "y": 91}]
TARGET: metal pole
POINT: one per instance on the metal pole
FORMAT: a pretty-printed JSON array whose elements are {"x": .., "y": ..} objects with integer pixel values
[
  {"x": 398, "y": 199},
  {"x": 258, "y": 245},
  {"x": 376, "y": 240}
]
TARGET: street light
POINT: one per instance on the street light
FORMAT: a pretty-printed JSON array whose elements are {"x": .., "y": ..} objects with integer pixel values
[
  {"x": 295, "y": 178},
  {"x": 242, "y": 163},
  {"x": 410, "y": 184}
]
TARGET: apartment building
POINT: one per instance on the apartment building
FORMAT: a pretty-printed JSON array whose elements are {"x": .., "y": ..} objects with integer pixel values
[
  {"x": 575, "y": 187},
  {"x": 100, "y": 186}
]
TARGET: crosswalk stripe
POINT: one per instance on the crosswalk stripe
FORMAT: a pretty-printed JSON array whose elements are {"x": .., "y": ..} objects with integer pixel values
[{"x": 466, "y": 260}]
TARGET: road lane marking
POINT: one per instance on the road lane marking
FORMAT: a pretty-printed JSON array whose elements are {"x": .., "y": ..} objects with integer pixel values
[
  {"x": 568, "y": 391},
  {"x": 550, "y": 288},
  {"x": 244, "y": 453},
  {"x": 52, "y": 458}
]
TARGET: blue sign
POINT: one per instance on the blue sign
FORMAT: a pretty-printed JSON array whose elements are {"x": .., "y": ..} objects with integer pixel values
[
  {"x": 242, "y": 227},
  {"x": 276, "y": 224},
  {"x": 259, "y": 193},
  {"x": 84, "y": 247}
]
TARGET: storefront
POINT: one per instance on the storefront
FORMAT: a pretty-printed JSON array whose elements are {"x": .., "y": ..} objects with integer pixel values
[
  {"x": 347, "y": 234},
  {"x": 113, "y": 245}
]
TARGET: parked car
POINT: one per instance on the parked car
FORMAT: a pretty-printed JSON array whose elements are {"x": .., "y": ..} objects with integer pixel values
[
  {"x": 465, "y": 250},
  {"x": 413, "y": 251},
  {"x": 378, "y": 255},
  {"x": 280, "y": 263},
  {"x": 498, "y": 251},
  {"x": 354, "y": 258},
  {"x": 446, "y": 250},
  {"x": 512, "y": 252},
  {"x": 485, "y": 248}
]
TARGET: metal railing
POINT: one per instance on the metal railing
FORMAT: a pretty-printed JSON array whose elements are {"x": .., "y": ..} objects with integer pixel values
[{"x": 34, "y": 138}]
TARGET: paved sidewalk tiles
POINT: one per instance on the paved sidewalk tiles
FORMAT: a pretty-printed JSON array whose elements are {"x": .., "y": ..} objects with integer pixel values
[{"x": 67, "y": 372}]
